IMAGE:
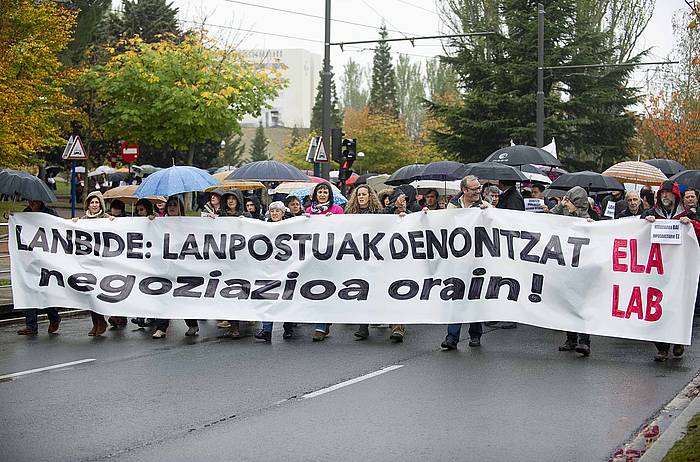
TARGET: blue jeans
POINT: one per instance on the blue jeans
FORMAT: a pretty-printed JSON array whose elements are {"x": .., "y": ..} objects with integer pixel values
[
  {"x": 267, "y": 326},
  {"x": 453, "y": 331}
]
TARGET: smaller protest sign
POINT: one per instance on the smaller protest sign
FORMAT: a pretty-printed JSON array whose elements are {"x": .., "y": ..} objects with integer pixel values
[
  {"x": 610, "y": 210},
  {"x": 534, "y": 205},
  {"x": 666, "y": 232}
]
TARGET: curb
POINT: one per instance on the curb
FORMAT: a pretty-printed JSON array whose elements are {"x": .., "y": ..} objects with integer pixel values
[
  {"x": 673, "y": 433},
  {"x": 43, "y": 317}
]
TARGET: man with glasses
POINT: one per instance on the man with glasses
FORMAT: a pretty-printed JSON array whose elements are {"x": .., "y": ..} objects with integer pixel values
[{"x": 471, "y": 198}]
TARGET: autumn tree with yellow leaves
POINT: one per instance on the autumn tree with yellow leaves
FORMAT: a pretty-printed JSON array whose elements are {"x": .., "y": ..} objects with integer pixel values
[{"x": 33, "y": 104}]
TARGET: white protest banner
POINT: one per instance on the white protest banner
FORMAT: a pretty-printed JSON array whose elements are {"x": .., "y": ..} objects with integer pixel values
[
  {"x": 610, "y": 210},
  {"x": 533, "y": 205},
  {"x": 445, "y": 266},
  {"x": 666, "y": 232}
]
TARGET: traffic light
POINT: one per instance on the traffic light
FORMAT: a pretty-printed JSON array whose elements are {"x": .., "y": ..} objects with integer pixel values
[{"x": 350, "y": 148}]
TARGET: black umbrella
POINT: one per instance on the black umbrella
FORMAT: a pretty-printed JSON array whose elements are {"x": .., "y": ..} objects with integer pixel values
[
  {"x": 29, "y": 187},
  {"x": 362, "y": 179},
  {"x": 493, "y": 171},
  {"x": 590, "y": 181},
  {"x": 405, "y": 174},
  {"x": 668, "y": 166},
  {"x": 444, "y": 170},
  {"x": 690, "y": 178},
  {"x": 268, "y": 170},
  {"x": 116, "y": 177},
  {"x": 52, "y": 170},
  {"x": 521, "y": 155}
]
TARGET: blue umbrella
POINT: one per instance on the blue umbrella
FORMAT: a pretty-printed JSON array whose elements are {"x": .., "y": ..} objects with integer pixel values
[
  {"x": 28, "y": 186},
  {"x": 268, "y": 170},
  {"x": 338, "y": 199},
  {"x": 175, "y": 180}
]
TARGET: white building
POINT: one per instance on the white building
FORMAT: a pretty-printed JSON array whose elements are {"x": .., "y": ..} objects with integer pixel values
[{"x": 294, "y": 103}]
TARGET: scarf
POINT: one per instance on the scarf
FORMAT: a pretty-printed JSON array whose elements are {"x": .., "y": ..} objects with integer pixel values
[{"x": 317, "y": 208}]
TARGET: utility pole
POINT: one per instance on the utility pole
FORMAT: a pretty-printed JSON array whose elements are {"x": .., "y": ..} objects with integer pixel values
[
  {"x": 326, "y": 131},
  {"x": 540, "y": 75}
]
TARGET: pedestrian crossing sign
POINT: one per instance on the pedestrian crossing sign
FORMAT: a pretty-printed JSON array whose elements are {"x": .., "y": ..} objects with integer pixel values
[
  {"x": 77, "y": 151},
  {"x": 320, "y": 155}
]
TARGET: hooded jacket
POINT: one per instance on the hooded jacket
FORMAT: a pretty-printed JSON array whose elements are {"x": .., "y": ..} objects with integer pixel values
[
  {"x": 577, "y": 196},
  {"x": 259, "y": 213},
  {"x": 102, "y": 213},
  {"x": 224, "y": 211},
  {"x": 677, "y": 211}
]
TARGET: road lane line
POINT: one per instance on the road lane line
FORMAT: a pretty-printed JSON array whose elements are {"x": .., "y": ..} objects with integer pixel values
[
  {"x": 323, "y": 391},
  {"x": 47, "y": 368}
]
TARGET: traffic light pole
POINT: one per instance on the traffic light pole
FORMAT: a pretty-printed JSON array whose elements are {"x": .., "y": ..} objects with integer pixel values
[
  {"x": 326, "y": 132},
  {"x": 540, "y": 75}
]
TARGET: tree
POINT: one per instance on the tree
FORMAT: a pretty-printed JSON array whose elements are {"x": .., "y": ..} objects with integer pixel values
[
  {"x": 585, "y": 111},
  {"x": 33, "y": 105},
  {"x": 179, "y": 94},
  {"x": 382, "y": 94},
  {"x": 258, "y": 150},
  {"x": 151, "y": 20},
  {"x": 354, "y": 94},
  {"x": 317, "y": 110},
  {"x": 234, "y": 151},
  {"x": 410, "y": 92},
  {"x": 91, "y": 14},
  {"x": 440, "y": 80}
]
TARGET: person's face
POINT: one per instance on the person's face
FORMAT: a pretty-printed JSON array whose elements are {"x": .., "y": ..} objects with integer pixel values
[
  {"x": 322, "y": 194},
  {"x": 232, "y": 202},
  {"x": 35, "y": 205},
  {"x": 471, "y": 192},
  {"x": 276, "y": 214},
  {"x": 494, "y": 199},
  {"x": 568, "y": 204},
  {"x": 141, "y": 211},
  {"x": 94, "y": 205},
  {"x": 215, "y": 200},
  {"x": 431, "y": 199},
  {"x": 386, "y": 201},
  {"x": 294, "y": 206},
  {"x": 667, "y": 199},
  {"x": 690, "y": 199},
  {"x": 160, "y": 206},
  {"x": 536, "y": 193},
  {"x": 250, "y": 206},
  {"x": 115, "y": 212},
  {"x": 633, "y": 202},
  {"x": 172, "y": 209},
  {"x": 363, "y": 197}
]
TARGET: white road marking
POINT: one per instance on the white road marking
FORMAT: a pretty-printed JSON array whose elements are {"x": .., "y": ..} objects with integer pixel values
[
  {"x": 47, "y": 368},
  {"x": 323, "y": 391}
]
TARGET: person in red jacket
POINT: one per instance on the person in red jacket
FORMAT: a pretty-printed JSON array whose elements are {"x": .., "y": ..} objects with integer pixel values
[{"x": 669, "y": 206}]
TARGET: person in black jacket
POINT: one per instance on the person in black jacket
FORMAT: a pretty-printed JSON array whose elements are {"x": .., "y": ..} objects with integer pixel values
[{"x": 31, "y": 316}]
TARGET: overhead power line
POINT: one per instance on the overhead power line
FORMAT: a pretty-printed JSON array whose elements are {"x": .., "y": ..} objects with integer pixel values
[
  {"x": 412, "y": 39},
  {"x": 417, "y": 6},
  {"x": 308, "y": 15},
  {"x": 253, "y": 31}
]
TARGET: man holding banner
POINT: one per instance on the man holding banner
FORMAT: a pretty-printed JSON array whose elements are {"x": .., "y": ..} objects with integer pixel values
[
  {"x": 471, "y": 198},
  {"x": 669, "y": 206}
]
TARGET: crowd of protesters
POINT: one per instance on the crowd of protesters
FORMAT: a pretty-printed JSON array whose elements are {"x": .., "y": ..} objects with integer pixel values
[{"x": 669, "y": 202}]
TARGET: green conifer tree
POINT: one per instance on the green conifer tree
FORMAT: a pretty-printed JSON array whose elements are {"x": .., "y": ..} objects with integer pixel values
[
  {"x": 317, "y": 110},
  {"x": 382, "y": 95},
  {"x": 258, "y": 150}
]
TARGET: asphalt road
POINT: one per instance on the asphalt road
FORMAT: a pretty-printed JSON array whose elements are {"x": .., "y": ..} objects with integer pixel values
[{"x": 515, "y": 398}]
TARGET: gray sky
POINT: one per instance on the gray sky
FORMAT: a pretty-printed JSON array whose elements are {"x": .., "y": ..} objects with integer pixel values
[{"x": 403, "y": 18}]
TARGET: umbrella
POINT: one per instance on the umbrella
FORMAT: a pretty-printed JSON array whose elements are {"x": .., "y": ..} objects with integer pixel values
[
  {"x": 316, "y": 179},
  {"x": 377, "y": 183},
  {"x": 29, "y": 187},
  {"x": 445, "y": 188},
  {"x": 242, "y": 185},
  {"x": 521, "y": 155},
  {"x": 52, "y": 170},
  {"x": 444, "y": 170},
  {"x": 406, "y": 174},
  {"x": 353, "y": 178},
  {"x": 338, "y": 198},
  {"x": 690, "y": 178},
  {"x": 636, "y": 173},
  {"x": 493, "y": 171},
  {"x": 590, "y": 181},
  {"x": 362, "y": 179},
  {"x": 667, "y": 166},
  {"x": 551, "y": 193},
  {"x": 146, "y": 169},
  {"x": 116, "y": 177},
  {"x": 175, "y": 180},
  {"x": 537, "y": 177},
  {"x": 291, "y": 186},
  {"x": 127, "y": 194},
  {"x": 101, "y": 170},
  {"x": 225, "y": 168},
  {"x": 268, "y": 170}
]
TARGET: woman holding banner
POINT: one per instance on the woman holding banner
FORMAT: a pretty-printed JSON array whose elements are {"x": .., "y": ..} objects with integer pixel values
[
  {"x": 363, "y": 201},
  {"x": 174, "y": 207},
  {"x": 575, "y": 204},
  {"x": 95, "y": 208},
  {"x": 322, "y": 204}
]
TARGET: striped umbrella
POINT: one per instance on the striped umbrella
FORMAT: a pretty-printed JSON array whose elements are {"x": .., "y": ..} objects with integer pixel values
[{"x": 636, "y": 173}]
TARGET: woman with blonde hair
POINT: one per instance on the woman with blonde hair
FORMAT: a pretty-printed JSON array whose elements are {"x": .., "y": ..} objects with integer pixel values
[{"x": 363, "y": 200}]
